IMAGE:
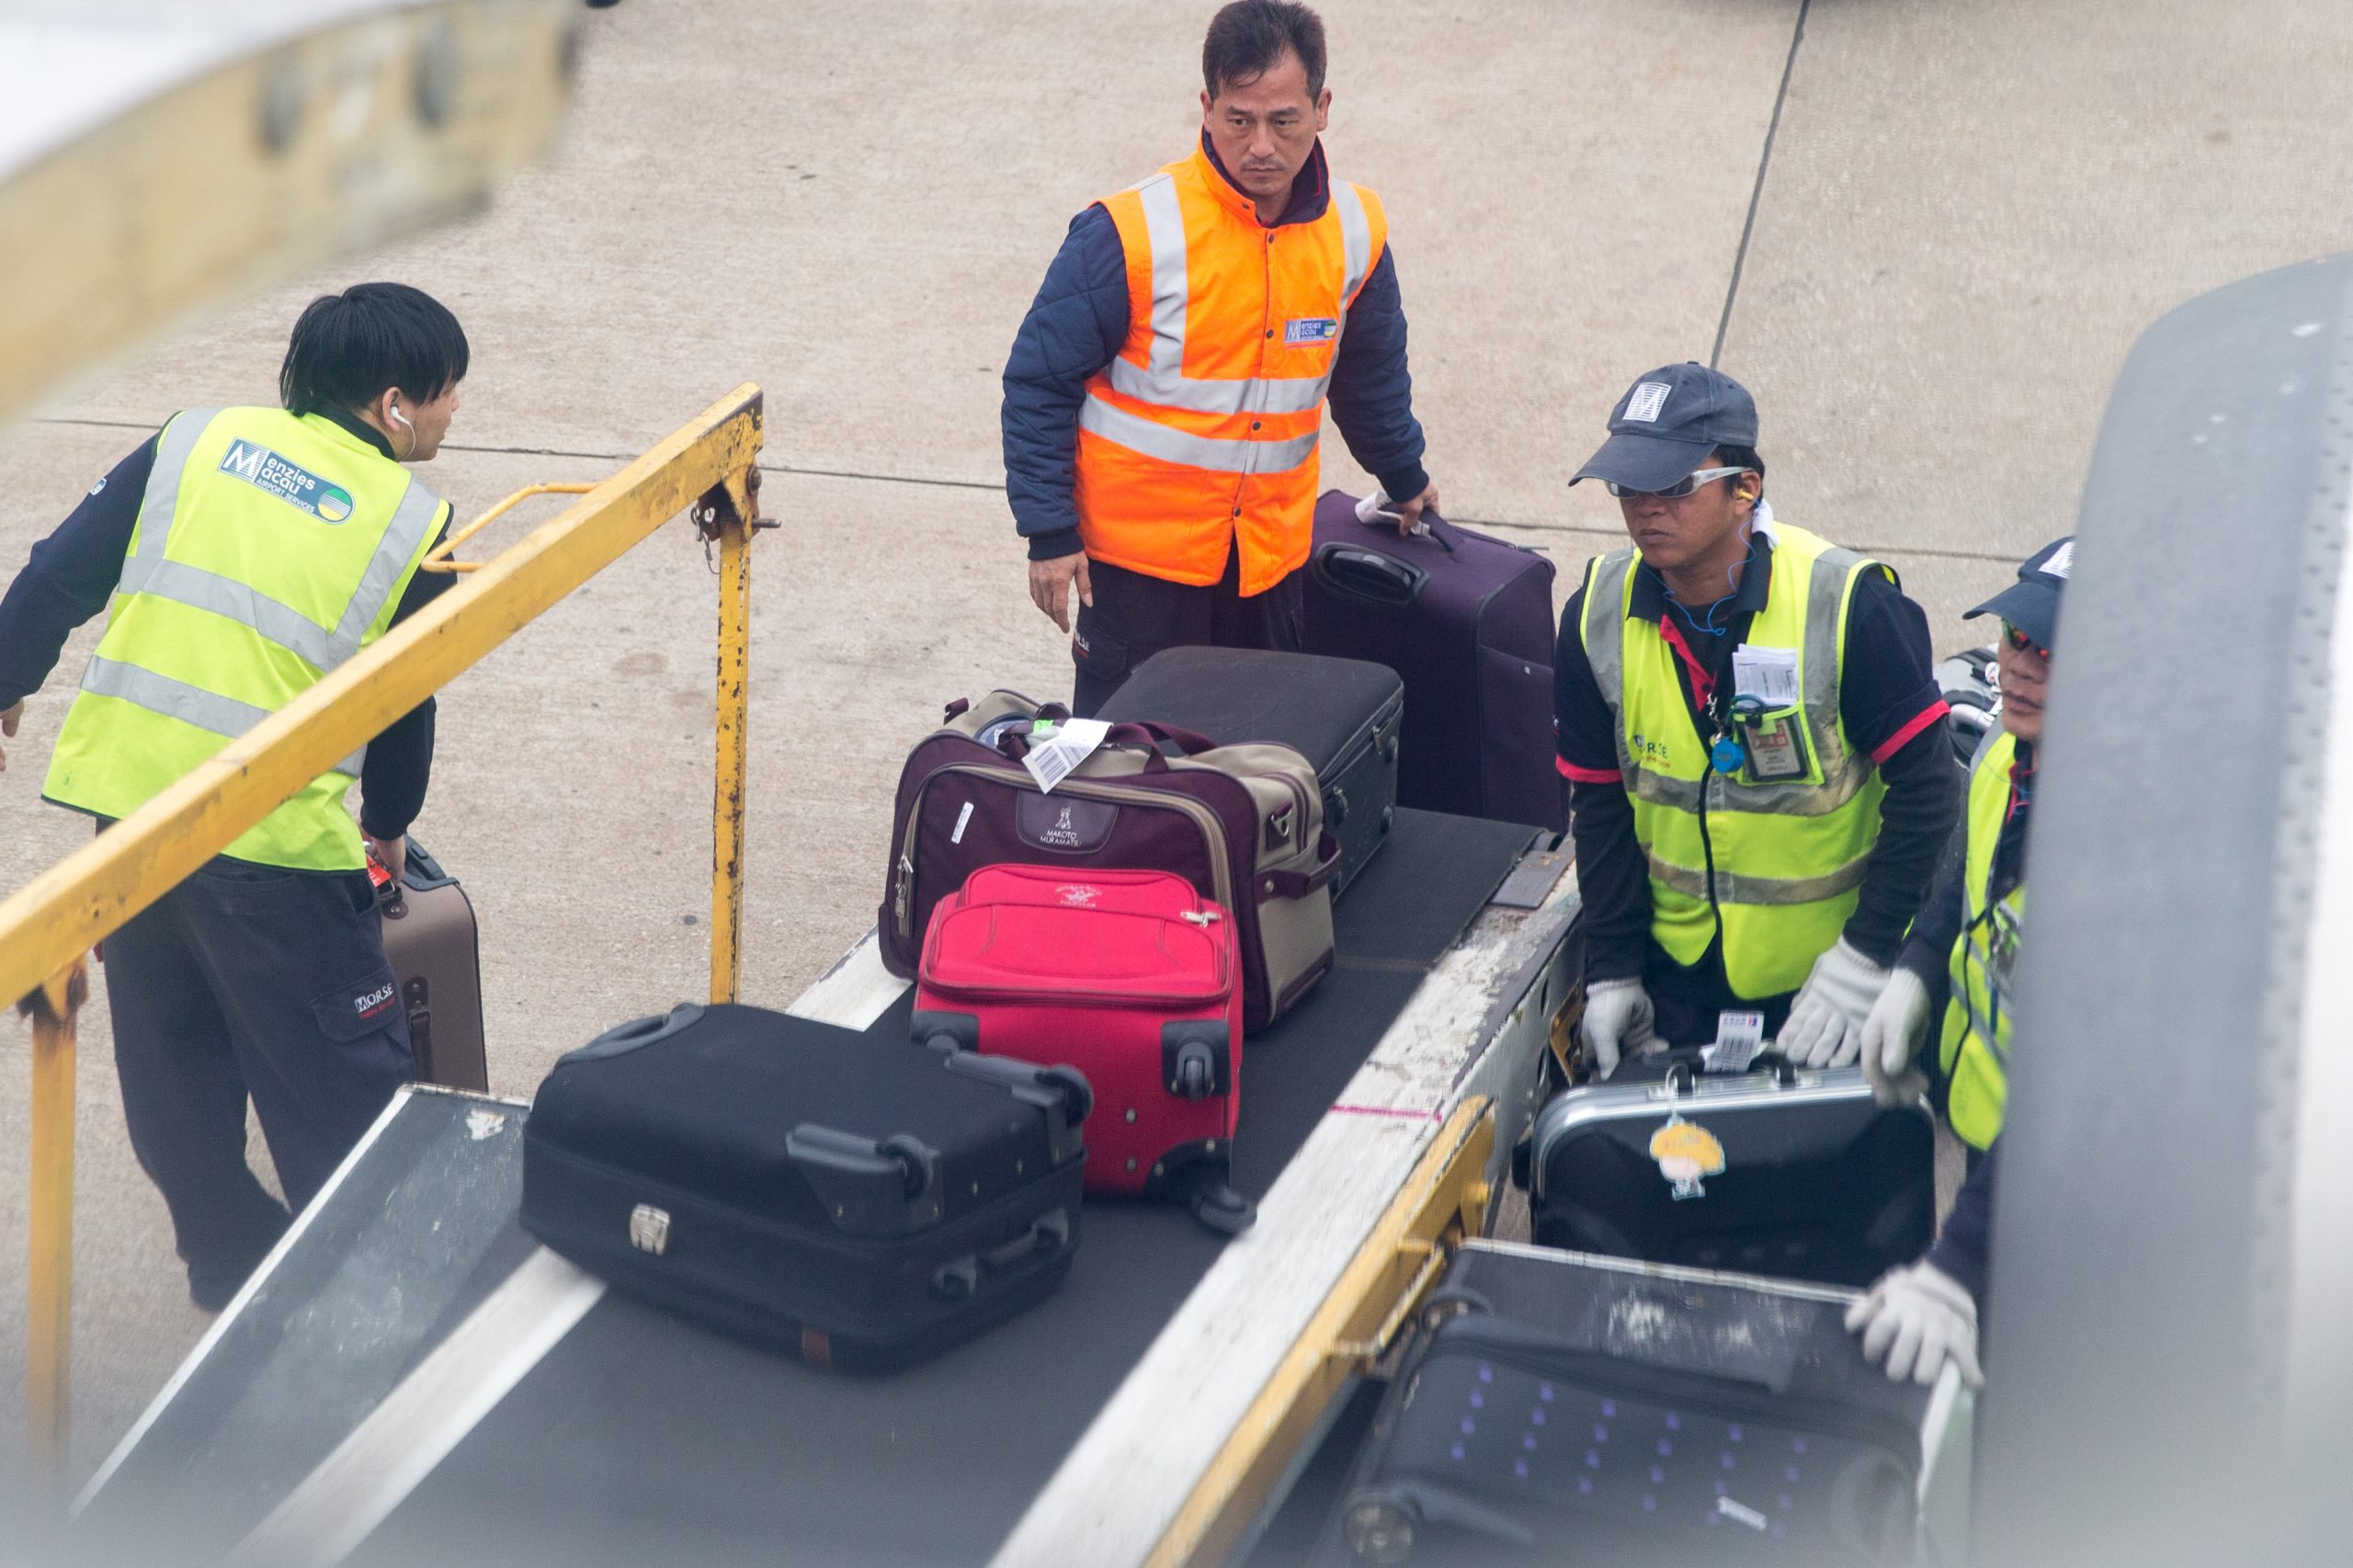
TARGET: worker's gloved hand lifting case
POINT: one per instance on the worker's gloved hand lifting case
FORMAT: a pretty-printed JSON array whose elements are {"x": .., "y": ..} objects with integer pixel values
[
  {"x": 858, "y": 1202},
  {"x": 1243, "y": 824},
  {"x": 1791, "y": 1172},
  {"x": 1558, "y": 1408},
  {"x": 1131, "y": 977},
  {"x": 1467, "y": 620},
  {"x": 1344, "y": 715},
  {"x": 430, "y": 939}
]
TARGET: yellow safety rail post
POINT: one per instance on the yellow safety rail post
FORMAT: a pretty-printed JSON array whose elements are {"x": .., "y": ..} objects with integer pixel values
[
  {"x": 728, "y": 515},
  {"x": 48, "y": 926},
  {"x": 1443, "y": 1200},
  {"x": 49, "y": 1312}
]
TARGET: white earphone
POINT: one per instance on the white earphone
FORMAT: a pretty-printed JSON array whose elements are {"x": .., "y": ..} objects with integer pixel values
[{"x": 392, "y": 412}]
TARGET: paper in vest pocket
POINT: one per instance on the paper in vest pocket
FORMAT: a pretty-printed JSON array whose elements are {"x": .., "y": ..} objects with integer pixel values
[{"x": 1768, "y": 674}]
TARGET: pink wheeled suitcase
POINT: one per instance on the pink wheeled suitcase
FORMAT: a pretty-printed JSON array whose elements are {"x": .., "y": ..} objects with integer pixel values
[{"x": 1132, "y": 978}]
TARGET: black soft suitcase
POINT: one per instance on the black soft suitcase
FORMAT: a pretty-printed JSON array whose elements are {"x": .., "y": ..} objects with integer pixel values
[
  {"x": 1575, "y": 1409},
  {"x": 1344, "y": 715},
  {"x": 858, "y": 1202},
  {"x": 435, "y": 954},
  {"x": 1466, "y": 619},
  {"x": 1791, "y": 1172}
]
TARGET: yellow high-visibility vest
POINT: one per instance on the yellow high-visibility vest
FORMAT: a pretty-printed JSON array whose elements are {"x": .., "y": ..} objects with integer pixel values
[
  {"x": 1976, "y": 1038},
  {"x": 1779, "y": 863},
  {"x": 269, "y": 549}
]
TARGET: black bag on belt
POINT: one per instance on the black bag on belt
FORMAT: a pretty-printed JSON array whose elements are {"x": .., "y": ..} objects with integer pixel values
[
  {"x": 859, "y": 1202},
  {"x": 1344, "y": 715},
  {"x": 1575, "y": 1409}
]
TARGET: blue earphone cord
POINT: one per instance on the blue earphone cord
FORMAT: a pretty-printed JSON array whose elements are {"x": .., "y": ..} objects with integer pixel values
[{"x": 1710, "y": 627}]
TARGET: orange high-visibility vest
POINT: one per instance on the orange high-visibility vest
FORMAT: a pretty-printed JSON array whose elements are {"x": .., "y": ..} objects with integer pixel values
[{"x": 1203, "y": 428}]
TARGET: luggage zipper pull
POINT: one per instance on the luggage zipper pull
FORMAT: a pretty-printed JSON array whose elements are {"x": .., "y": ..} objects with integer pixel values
[
  {"x": 905, "y": 892},
  {"x": 1203, "y": 917}
]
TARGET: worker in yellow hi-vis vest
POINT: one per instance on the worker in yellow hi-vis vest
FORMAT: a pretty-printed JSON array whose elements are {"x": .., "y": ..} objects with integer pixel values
[
  {"x": 1969, "y": 934},
  {"x": 247, "y": 552},
  {"x": 1760, "y": 777}
]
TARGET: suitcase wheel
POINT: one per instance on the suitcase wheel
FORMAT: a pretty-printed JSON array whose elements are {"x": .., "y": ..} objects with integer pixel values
[
  {"x": 1196, "y": 1076},
  {"x": 1221, "y": 1208},
  {"x": 1079, "y": 1095}
]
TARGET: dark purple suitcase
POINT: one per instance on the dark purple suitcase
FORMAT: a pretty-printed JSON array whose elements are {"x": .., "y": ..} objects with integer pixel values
[{"x": 1466, "y": 620}]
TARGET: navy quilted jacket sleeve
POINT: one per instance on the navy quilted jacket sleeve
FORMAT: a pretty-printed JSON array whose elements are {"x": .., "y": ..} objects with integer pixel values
[{"x": 1074, "y": 326}]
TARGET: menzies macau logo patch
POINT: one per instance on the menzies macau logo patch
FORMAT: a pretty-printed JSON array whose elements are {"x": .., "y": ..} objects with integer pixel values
[
  {"x": 1309, "y": 330},
  {"x": 291, "y": 483}
]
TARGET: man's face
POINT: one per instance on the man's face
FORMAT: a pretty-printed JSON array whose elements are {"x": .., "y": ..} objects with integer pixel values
[
  {"x": 432, "y": 423},
  {"x": 1264, "y": 128},
  {"x": 1672, "y": 534},
  {"x": 2026, "y": 687}
]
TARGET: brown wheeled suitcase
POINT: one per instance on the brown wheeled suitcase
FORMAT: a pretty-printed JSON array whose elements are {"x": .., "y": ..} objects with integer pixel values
[{"x": 429, "y": 937}]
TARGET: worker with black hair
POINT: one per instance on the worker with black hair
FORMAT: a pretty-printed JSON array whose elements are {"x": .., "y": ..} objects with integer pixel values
[{"x": 248, "y": 552}]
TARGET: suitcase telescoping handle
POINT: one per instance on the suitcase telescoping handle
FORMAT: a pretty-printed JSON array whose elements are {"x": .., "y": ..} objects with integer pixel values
[
  {"x": 829, "y": 1151},
  {"x": 962, "y": 1280}
]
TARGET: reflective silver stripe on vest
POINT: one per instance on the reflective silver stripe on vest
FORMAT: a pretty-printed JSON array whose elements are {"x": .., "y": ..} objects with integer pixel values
[
  {"x": 1604, "y": 648},
  {"x": 1355, "y": 239},
  {"x": 160, "y": 499},
  {"x": 1162, "y": 381},
  {"x": 1732, "y": 888},
  {"x": 226, "y": 597},
  {"x": 192, "y": 705},
  {"x": 1125, "y": 429},
  {"x": 403, "y": 537}
]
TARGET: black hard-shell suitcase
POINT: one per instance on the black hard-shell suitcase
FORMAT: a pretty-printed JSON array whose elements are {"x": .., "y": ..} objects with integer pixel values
[
  {"x": 1566, "y": 1408},
  {"x": 858, "y": 1202},
  {"x": 1791, "y": 1172},
  {"x": 1344, "y": 715},
  {"x": 1466, "y": 619},
  {"x": 430, "y": 937}
]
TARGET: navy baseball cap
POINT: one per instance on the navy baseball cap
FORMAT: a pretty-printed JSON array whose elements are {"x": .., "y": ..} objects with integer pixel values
[
  {"x": 2031, "y": 604},
  {"x": 1667, "y": 422}
]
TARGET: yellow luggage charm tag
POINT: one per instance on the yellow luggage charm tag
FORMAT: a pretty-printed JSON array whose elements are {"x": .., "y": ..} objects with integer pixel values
[{"x": 1686, "y": 1152}]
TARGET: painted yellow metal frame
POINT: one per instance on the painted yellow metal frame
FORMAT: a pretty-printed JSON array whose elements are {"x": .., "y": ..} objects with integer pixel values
[
  {"x": 1445, "y": 1199},
  {"x": 442, "y": 558},
  {"x": 706, "y": 467}
]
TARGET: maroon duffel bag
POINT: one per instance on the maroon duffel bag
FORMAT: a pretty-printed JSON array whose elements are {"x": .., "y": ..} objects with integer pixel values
[{"x": 1243, "y": 824}]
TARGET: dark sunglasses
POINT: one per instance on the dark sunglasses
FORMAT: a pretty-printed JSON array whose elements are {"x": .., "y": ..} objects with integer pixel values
[{"x": 2022, "y": 643}]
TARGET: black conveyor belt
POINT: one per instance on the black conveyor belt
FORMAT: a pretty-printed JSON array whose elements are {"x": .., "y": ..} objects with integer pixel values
[{"x": 639, "y": 1440}]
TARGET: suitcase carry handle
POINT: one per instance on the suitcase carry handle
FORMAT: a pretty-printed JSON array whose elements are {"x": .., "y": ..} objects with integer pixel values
[
  {"x": 829, "y": 1151},
  {"x": 1299, "y": 884},
  {"x": 624, "y": 1038},
  {"x": 1146, "y": 733},
  {"x": 960, "y": 1279},
  {"x": 1682, "y": 1077},
  {"x": 1369, "y": 576}
]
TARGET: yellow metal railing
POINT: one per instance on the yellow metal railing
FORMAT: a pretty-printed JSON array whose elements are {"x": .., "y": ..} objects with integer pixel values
[{"x": 706, "y": 468}]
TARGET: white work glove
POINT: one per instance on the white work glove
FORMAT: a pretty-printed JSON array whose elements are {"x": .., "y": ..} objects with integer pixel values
[
  {"x": 1617, "y": 1016},
  {"x": 1915, "y": 1319},
  {"x": 1892, "y": 1034},
  {"x": 1825, "y": 1022}
]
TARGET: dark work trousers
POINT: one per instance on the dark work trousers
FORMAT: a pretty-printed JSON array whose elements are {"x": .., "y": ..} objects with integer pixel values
[
  {"x": 1135, "y": 617},
  {"x": 250, "y": 980},
  {"x": 1688, "y": 1000}
]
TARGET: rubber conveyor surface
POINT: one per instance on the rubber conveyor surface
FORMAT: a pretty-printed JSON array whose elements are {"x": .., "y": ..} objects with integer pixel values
[{"x": 636, "y": 1439}]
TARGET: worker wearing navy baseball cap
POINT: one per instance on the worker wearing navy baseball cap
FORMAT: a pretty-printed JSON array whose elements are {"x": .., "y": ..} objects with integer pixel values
[
  {"x": 1971, "y": 929},
  {"x": 1750, "y": 723}
]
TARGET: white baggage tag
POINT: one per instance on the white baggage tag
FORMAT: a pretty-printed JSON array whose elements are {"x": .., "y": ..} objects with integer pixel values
[
  {"x": 1739, "y": 1037},
  {"x": 1768, "y": 674},
  {"x": 1054, "y": 759}
]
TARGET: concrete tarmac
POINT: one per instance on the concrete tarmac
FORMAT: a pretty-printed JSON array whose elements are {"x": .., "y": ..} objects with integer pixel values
[{"x": 1968, "y": 213}]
